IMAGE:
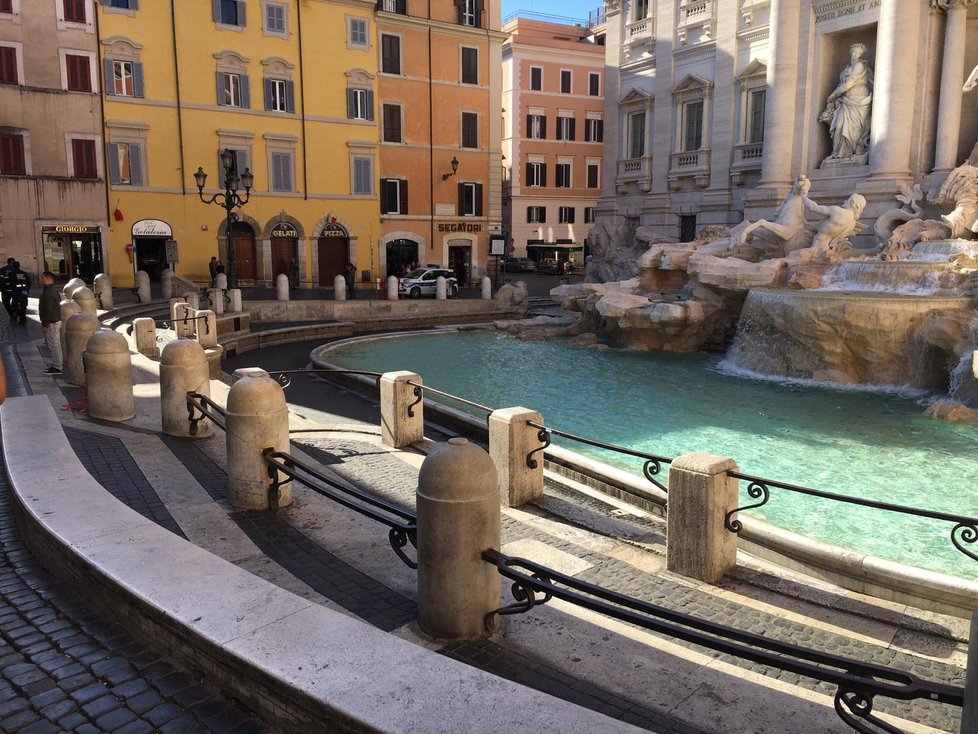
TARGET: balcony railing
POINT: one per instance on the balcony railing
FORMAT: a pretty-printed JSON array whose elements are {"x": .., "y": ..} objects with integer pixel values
[
  {"x": 640, "y": 31},
  {"x": 748, "y": 155},
  {"x": 634, "y": 168},
  {"x": 690, "y": 163}
]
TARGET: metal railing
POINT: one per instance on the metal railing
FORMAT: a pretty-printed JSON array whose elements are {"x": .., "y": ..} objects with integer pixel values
[
  {"x": 858, "y": 683},
  {"x": 158, "y": 323},
  {"x": 402, "y": 523},
  {"x": 651, "y": 467},
  {"x": 419, "y": 391},
  {"x": 965, "y": 529},
  {"x": 284, "y": 379},
  {"x": 207, "y": 408}
]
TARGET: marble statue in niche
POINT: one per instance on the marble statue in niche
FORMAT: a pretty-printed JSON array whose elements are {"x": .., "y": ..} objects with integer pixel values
[{"x": 847, "y": 110}]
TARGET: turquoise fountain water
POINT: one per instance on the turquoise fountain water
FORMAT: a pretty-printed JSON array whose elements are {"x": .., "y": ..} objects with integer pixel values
[{"x": 870, "y": 444}]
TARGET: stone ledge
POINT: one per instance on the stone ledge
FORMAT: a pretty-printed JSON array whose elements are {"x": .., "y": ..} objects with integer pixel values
[{"x": 301, "y": 666}]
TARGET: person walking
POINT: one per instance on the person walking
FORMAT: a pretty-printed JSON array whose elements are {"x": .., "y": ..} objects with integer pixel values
[
  {"x": 20, "y": 284},
  {"x": 351, "y": 281},
  {"x": 6, "y": 287},
  {"x": 212, "y": 266},
  {"x": 49, "y": 309}
]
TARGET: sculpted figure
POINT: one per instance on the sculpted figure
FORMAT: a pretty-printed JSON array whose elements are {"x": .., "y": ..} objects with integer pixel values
[
  {"x": 839, "y": 221},
  {"x": 960, "y": 189},
  {"x": 848, "y": 107},
  {"x": 788, "y": 231}
]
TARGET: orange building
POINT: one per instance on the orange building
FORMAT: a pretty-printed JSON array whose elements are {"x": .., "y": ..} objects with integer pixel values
[
  {"x": 438, "y": 89},
  {"x": 553, "y": 119}
]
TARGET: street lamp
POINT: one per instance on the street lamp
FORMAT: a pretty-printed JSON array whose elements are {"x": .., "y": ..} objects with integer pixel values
[{"x": 229, "y": 200}]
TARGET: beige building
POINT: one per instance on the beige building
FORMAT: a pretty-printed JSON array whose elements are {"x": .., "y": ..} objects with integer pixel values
[
  {"x": 553, "y": 132},
  {"x": 53, "y": 206}
]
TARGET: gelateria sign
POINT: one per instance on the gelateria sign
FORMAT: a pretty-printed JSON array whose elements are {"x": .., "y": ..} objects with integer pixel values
[
  {"x": 151, "y": 228},
  {"x": 284, "y": 230}
]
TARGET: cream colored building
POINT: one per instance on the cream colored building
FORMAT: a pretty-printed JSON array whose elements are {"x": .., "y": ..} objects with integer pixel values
[
  {"x": 52, "y": 178},
  {"x": 714, "y": 106}
]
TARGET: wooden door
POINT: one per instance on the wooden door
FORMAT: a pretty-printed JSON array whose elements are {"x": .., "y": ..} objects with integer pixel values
[
  {"x": 243, "y": 242},
  {"x": 332, "y": 259},
  {"x": 284, "y": 249}
]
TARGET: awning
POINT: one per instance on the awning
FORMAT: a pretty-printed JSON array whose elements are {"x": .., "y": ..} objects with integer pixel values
[{"x": 562, "y": 248}]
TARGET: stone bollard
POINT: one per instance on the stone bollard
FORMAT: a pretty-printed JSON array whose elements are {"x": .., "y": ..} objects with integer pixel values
[
  {"x": 78, "y": 329},
  {"x": 193, "y": 300},
  {"x": 142, "y": 287},
  {"x": 183, "y": 369},
  {"x": 698, "y": 544},
  {"x": 393, "y": 288},
  {"x": 487, "y": 288},
  {"x": 206, "y": 328},
  {"x": 257, "y": 418},
  {"x": 103, "y": 291},
  {"x": 339, "y": 288},
  {"x": 441, "y": 288},
  {"x": 166, "y": 280},
  {"x": 68, "y": 309},
  {"x": 71, "y": 285},
  {"x": 221, "y": 281},
  {"x": 144, "y": 333},
  {"x": 235, "y": 304},
  {"x": 183, "y": 325},
  {"x": 511, "y": 439},
  {"x": 108, "y": 371},
  {"x": 282, "y": 287},
  {"x": 458, "y": 518},
  {"x": 969, "y": 714},
  {"x": 397, "y": 428},
  {"x": 217, "y": 299},
  {"x": 85, "y": 300}
]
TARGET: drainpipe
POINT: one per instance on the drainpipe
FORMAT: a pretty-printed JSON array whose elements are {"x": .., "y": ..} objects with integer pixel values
[
  {"x": 302, "y": 104},
  {"x": 431, "y": 145},
  {"x": 105, "y": 146},
  {"x": 176, "y": 72}
]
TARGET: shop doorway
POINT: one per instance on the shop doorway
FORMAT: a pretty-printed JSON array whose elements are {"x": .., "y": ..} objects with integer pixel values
[
  {"x": 402, "y": 255},
  {"x": 284, "y": 251},
  {"x": 333, "y": 250},
  {"x": 149, "y": 254},
  {"x": 460, "y": 260},
  {"x": 73, "y": 255},
  {"x": 243, "y": 246}
]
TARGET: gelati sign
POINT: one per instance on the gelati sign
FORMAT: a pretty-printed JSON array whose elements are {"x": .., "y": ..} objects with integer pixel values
[{"x": 284, "y": 229}]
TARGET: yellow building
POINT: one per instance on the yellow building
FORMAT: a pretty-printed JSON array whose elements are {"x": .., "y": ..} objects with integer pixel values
[
  {"x": 439, "y": 82},
  {"x": 289, "y": 87}
]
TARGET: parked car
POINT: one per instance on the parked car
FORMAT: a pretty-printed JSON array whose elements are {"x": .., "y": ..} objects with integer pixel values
[
  {"x": 422, "y": 282},
  {"x": 519, "y": 265}
]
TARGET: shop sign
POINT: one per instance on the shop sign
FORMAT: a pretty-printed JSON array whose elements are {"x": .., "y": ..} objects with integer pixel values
[
  {"x": 172, "y": 253},
  {"x": 333, "y": 230},
  {"x": 69, "y": 229},
  {"x": 151, "y": 228},
  {"x": 459, "y": 227},
  {"x": 284, "y": 229}
]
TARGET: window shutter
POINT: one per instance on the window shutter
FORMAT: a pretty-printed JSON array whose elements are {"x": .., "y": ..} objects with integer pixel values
[
  {"x": 240, "y": 160},
  {"x": 370, "y": 104},
  {"x": 543, "y": 174},
  {"x": 115, "y": 176},
  {"x": 573, "y": 129},
  {"x": 461, "y": 199},
  {"x": 478, "y": 200},
  {"x": 600, "y": 131},
  {"x": 560, "y": 128},
  {"x": 543, "y": 127},
  {"x": 135, "y": 165},
  {"x": 529, "y": 174},
  {"x": 384, "y": 194},
  {"x": 529, "y": 126},
  {"x": 245, "y": 92},
  {"x": 138, "y": 88},
  {"x": 220, "y": 90},
  {"x": 108, "y": 69},
  {"x": 134, "y": 4},
  {"x": 478, "y": 14},
  {"x": 290, "y": 96},
  {"x": 351, "y": 105},
  {"x": 404, "y": 197},
  {"x": 277, "y": 179},
  {"x": 268, "y": 93},
  {"x": 216, "y": 10},
  {"x": 242, "y": 17}
]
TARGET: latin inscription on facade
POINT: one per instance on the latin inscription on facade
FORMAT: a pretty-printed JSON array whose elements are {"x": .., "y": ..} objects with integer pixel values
[{"x": 843, "y": 8}]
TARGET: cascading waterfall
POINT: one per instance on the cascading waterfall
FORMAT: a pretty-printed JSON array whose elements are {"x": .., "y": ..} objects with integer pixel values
[{"x": 902, "y": 276}]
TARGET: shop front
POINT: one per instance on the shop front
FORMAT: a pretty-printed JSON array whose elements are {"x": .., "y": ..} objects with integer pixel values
[
  {"x": 149, "y": 240},
  {"x": 72, "y": 251},
  {"x": 285, "y": 252},
  {"x": 333, "y": 250}
]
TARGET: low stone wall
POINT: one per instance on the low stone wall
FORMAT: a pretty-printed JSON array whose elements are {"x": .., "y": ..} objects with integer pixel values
[{"x": 371, "y": 315}]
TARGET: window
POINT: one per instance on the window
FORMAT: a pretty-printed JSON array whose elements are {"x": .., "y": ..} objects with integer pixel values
[
  {"x": 594, "y": 84},
  {"x": 469, "y": 12},
  {"x": 363, "y": 176},
  {"x": 233, "y": 90},
  {"x": 7, "y": 7},
  {"x": 470, "y": 129},
  {"x": 592, "y": 175},
  {"x": 640, "y": 9},
  {"x": 359, "y": 104},
  {"x": 536, "y": 127},
  {"x": 240, "y": 161},
  {"x": 281, "y": 172},
  {"x": 588, "y": 215},
  {"x": 470, "y": 65},
  {"x": 124, "y": 78},
  {"x": 470, "y": 199},
  {"x": 125, "y": 164},
  {"x": 593, "y": 130},
  {"x": 536, "y": 78},
  {"x": 563, "y": 175},
  {"x": 536, "y": 174},
  {"x": 123, "y": 4},
  {"x": 755, "y": 131},
  {"x": 687, "y": 227},
  {"x": 79, "y": 73},
  {"x": 74, "y": 11},
  {"x": 280, "y": 95},
  {"x": 8, "y": 65},
  {"x": 565, "y": 215},
  {"x": 394, "y": 6},
  {"x": 12, "y": 159},
  {"x": 229, "y": 12},
  {"x": 393, "y": 196},
  {"x": 84, "y": 163},
  {"x": 275, "y": 20},
  {"x": 693, "y": 125},
  {"x": 357, "y": 36},
  {"x": 636, "y": 135},
  {"x": 565, "y": 128},
  {"x": 392, "y": 123},
  {"x": 536, "y": 214},
  {"x": 565, "y": 82},
  {"x": 390, "y": 54}
]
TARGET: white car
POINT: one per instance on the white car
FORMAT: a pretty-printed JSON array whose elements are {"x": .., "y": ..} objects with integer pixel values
[{"x": 422, "y": 282}]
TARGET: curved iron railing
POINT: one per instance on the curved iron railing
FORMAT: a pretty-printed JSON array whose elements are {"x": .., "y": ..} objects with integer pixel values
[
  {"x": 208, "y": 409},
  {"x": 402, "y": 523},
  {"x": 283, "y": 378},
  {"x": 965, "y": 528},
  {"x": 651, "y": 467},
  {"x": 158, "y": 323},
  {"x": 858, "y": 683},
  {"x": 419, "y": 391}
]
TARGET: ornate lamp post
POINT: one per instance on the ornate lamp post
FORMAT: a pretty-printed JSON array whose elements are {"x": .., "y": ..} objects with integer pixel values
[{"x": 229, "y": 201}]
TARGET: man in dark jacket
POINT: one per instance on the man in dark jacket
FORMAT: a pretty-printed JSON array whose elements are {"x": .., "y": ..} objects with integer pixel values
[
  {"x": 6, "y": 290},
  {"x": 49, "y": 309},
  {"x": 20, "y": 283}
]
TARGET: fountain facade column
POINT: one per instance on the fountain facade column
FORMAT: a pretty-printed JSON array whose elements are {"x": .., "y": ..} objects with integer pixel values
[
  {"x": 782, "y": 93},
  {"x": 897, "y": 44},
  {"x": 952, "y": 79}
]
